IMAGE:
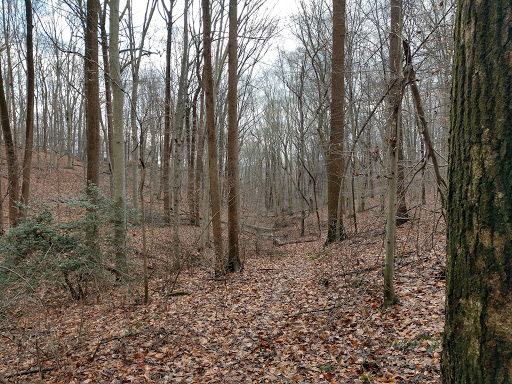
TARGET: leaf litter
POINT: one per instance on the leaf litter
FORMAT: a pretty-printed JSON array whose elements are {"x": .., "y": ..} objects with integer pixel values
[{"x": 298, "y": 313}]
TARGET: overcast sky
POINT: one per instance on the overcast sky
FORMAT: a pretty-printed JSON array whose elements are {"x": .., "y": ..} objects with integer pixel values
[{"x": 282, "y": 9}]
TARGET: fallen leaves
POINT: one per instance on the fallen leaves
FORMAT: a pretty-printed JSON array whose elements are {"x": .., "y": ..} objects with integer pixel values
[{"x": 288, "y": 318}]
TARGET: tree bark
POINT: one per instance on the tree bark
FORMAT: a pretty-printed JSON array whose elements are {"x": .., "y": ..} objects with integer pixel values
[
  {"x": 336, "y": 231},
  {"x": 477, "y": 340},
  {"x": 212, "y": 141}
]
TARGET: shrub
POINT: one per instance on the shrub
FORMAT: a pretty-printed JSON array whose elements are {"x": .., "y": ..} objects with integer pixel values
[{"x": 76, "y": 253}]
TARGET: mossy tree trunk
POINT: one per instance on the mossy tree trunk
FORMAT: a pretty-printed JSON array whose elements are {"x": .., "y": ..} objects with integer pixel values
[{"x": 478, "y": 332}]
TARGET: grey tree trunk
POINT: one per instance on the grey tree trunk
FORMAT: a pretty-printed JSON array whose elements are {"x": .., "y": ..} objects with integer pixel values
[
  {"x": 118, "y": 134},
  {"x": 395, "y": 96}
]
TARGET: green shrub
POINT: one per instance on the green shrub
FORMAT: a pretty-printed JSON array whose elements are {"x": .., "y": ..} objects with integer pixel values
[{"x": 76, "y": 253}]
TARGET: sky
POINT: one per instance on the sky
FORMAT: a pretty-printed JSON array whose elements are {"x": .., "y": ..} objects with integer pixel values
[{"x": 282, "y": 9}]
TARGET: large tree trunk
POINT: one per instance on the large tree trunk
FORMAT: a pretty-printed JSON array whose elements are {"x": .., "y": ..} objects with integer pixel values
[
  {"x": 212, "y": 141},
  {"x": 477, "y": 341},
  {"x": 336, "y": 231},
  {"x": 395, "y": 97},
  {"x": 29, "y": 129},
  {"x": 234, "y": 263}
]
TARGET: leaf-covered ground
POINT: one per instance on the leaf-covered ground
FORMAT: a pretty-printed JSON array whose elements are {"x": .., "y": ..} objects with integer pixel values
[{"x": 298, "y": 313}]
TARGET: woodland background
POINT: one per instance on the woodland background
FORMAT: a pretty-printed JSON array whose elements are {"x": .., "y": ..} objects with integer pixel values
[{"x": 126, "y": 282}]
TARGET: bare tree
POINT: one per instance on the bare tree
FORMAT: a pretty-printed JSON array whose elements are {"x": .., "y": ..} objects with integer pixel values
[
  {"x": 118, "y": 134},
  {"x": 395, "y": 95},
  {"x": 136, "y": 54},
  {"x": 167, "y": 117},
  {"x": 179, "y": 124}
]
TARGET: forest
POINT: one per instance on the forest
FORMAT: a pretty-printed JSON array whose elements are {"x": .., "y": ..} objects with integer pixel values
[{"x": 248, "y": 191}]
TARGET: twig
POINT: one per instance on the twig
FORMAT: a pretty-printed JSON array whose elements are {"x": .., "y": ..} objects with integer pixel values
[
  {"x": 31, "y": 372},
  {"x": 279, "y": 244},
  {"x": 314, "y": 311},
  {"x": 108, "y": 340},
  {"x": 369, "y": 269}
]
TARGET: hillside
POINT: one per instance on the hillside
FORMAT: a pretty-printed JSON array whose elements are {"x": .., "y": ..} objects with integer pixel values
[{"x": 298, "y": 313}]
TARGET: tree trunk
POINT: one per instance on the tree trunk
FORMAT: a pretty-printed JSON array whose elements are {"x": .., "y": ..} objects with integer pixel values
[
  {"x": 395, "y": 98},
  {"x": 234, "y": 263},
  {"x": 335, "y": 161},
  {"x": 29, "y": 128},
  {"x": 212, "y": 141},
  {"x": 108, "y": 94},
  {"x": 118, "y": 134},
  {"x": 167, "y": 120},
  {"x": 199, "y": 162},
  {"x": 178, "y": 124},
  {"x": 477, "y": 340},
  {"x": 12, "y": 163},
  {"x": 92, "y": 94},
  {"x": 192, "y": 140}
]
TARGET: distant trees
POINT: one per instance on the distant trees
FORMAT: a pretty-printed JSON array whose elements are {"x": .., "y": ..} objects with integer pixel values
[
  {"x": 278, "y": 137},
  {"x": 477, "y": 343}
]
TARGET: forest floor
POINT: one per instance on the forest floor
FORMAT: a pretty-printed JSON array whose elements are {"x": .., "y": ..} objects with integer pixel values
[{"x": 299, "y": 312}]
